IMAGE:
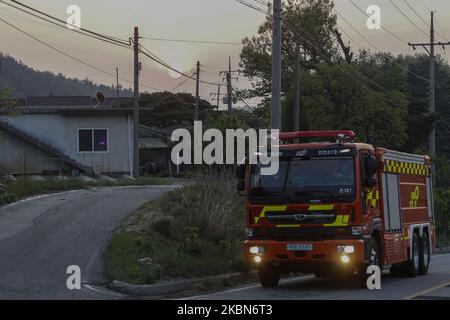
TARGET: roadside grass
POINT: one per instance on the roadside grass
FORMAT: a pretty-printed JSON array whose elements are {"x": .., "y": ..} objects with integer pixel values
[
  {"x": 14, "y": 190},
  {"x": 190, "y": 232}
]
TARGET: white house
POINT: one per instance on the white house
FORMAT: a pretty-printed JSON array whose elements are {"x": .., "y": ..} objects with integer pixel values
[{"x": 71, "y": 140}]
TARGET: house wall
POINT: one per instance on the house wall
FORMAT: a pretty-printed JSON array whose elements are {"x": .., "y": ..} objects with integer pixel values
[
  {"x": 61, "y": 132},
  {"x": 20, "y": 157}
]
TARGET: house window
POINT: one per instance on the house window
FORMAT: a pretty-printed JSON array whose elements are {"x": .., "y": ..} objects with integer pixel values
[{"x": 92, "y": 140}]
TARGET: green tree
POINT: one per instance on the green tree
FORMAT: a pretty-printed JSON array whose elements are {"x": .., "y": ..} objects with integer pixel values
[
  {"x": 6, "y": 103},
  {"x": 302, "y": 20},
  {"x": 166, "y": 108}
]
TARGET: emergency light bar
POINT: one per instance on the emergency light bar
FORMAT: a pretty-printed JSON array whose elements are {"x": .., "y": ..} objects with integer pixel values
[{"x": 349, "y": 135}]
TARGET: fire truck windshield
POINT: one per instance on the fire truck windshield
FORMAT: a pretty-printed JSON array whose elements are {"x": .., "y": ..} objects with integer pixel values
[{"x": 300, "y": 181}]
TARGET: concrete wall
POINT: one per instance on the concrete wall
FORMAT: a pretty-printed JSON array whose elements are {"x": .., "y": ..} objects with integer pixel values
[
  {"x": 61, "y": 132},
  {"x": 20, "y": 157}
]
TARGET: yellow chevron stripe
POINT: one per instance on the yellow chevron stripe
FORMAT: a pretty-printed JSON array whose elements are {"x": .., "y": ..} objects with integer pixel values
[
  {"x": 320, "y": 207},
  {"x": 269, "y": 209},
  {"x": 341, "y": 221}
]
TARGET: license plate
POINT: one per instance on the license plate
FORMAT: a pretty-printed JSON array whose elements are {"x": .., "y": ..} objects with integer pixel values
[{"x": 299, "y": 247}]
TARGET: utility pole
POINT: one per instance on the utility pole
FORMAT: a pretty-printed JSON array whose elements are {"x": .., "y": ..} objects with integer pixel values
[
  {"x": 229, "y": 87},
  {"x": 136, "y": 166},
  {"x": 432, "y": 86},
  {"x": 431, "y": 52},
  {"x": 117, "y": 83},
  {"x": 197, "y": 92},
  {"x": 296, "y": 106},
  {"x": 218, "y": 96},
  {"x": 229, "y": 79},
  {"x": 276, "y": 66}
]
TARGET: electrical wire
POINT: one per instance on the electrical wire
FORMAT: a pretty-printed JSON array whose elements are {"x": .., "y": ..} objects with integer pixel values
[
  {"x": 106, "y": 37},
  {"x": 254, "y": 7},
  {"x": 348, "y": 35},
  {"x": 417, "y": 14},
  {"x": 382, "y": 27},
  {"x": 180, "y": 84},
  {"x": 70, "y": 56},
  {"x": 354, "y": 29},
  {"x": 158, "y": 60},
  {"x": 406, "y": 17},
  {"x": 64, "y": 26},
  {"x": 369, "y": 80},
  {"x": 192, "y": 41}
]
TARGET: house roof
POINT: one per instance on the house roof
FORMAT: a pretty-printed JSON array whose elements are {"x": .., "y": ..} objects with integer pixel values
[
  {"x": 67, "y": 101},
  {"x": 72, "y": 110}
]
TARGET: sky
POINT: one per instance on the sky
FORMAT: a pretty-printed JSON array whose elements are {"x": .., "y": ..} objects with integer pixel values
[{"x": 203, "y": 20}]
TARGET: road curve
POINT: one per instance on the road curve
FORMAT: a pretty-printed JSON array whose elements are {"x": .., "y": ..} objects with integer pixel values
[
  {"x": 435, "y": 285},
  {"x": 41, "y": 237}
]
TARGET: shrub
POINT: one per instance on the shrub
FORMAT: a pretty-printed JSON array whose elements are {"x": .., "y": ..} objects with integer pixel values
[{"x": 193, "y": 231}]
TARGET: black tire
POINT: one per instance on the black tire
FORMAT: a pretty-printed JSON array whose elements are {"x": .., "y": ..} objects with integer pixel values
[
  {"x": 396, "y": 270},
  {"x": 373, "y": 259},
  {"x": 412, "y": 266},
  {"x": 269, "y": 275},
  {"x": 425, "y": 254}
]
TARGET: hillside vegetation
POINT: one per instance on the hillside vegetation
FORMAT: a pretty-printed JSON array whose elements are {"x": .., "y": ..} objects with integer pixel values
[{"x": 22, "y": 81}]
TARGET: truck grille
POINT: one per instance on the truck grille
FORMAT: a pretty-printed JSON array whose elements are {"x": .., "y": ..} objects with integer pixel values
[
  {"x": 316, "y": 217},
  {"x": 303, "y": 234}
]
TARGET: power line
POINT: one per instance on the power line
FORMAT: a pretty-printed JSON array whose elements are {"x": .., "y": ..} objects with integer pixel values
[
  {"x": 57, "y": 22},
  {"x": 242, "y": 99},
  {"x": 348, "y": 35},
  {"x": 417, "y": 14},
  {"x": 264, "y": 3},
  {"x": 424, "y": 5},
  {"x": 106, "y": 37},
  {"x": 376, "y": 48},
  {"x": 354, "y": 29},
  {"x": 354, "y": 71},
  {"x": 407, "y": 18},
  {"x": 68, "y": 55},
  {"x": 321, "y": 52},
  {"x": 192, "y": 41},
  {"x": 382, "y": 27},
  {"x": 254, "y": 7},
  {"x": 180, "y": 84},
  {"x": 158, "y": 60}
]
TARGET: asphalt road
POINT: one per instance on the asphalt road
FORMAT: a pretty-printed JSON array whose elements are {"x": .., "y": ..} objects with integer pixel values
[
  {"x": 435, "y": 285},
  {"x": 41, "y": 237}
]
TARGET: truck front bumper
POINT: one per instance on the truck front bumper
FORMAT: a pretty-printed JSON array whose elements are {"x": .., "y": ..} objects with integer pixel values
[{"x": 320, "y": 256}]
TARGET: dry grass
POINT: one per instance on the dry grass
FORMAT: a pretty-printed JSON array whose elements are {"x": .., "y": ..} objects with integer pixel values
[{"x": 193, "y": 231}]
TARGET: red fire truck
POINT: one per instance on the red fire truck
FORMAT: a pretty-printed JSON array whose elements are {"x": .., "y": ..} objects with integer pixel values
[{"x": 337, "y": 207}]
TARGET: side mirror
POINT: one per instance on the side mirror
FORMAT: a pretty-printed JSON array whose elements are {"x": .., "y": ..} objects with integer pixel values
[
  {"x": 240, "y": 172},
  {"x": 371, "y": 182},
  {"x": 240, "y": 186},
  {"x": 371, "y": 165}
]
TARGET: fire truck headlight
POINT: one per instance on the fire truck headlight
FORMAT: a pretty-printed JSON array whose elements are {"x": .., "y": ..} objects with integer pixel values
[
  {"x": 345, "y": 259},
  {"x": 345, "y": 249},
  {"x": 258, "y": 259},
  {"x": 256, "y": 250}
]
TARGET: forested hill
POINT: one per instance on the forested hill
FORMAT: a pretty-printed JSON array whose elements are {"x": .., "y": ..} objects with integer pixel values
[{"x": 23, "y": 81}]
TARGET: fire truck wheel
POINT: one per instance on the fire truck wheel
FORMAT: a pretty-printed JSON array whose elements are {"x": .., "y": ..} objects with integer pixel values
[
  {"x": 424, "y": 254},
  {"x": 373, "y": 259},
  {"x": 269, "y": 275},
  {"x": 412, "y": 266}
]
